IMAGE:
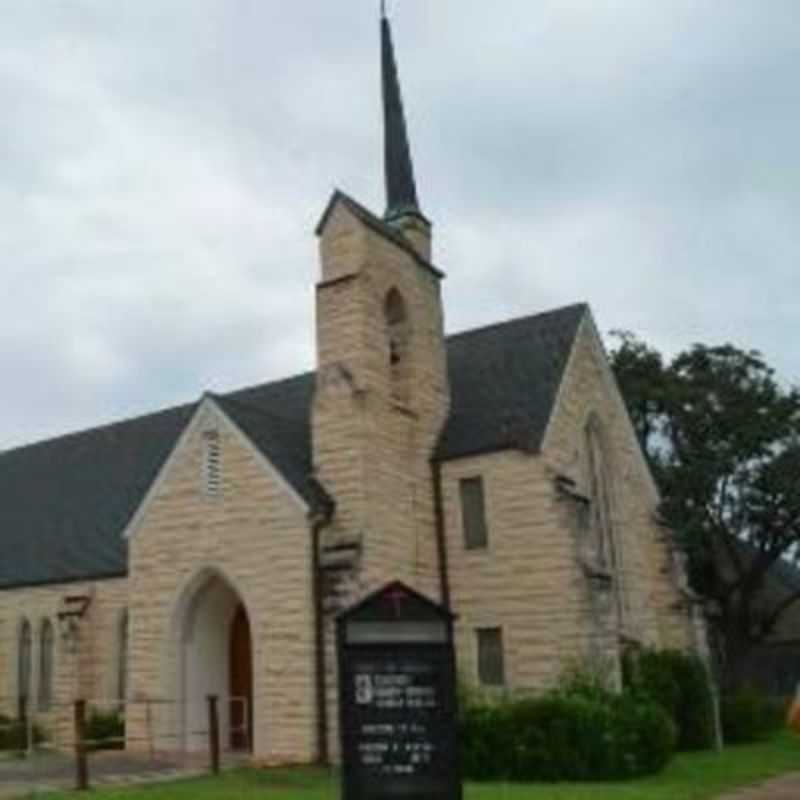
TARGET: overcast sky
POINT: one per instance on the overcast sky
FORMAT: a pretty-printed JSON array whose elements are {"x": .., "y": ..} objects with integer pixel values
[{"x": 164, "y": 163}]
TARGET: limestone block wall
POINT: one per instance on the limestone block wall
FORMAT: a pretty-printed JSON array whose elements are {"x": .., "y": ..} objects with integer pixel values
[
  {"x": 527, "y": 581},
  {"x": 654, "y": 611},
  {"x": 373, "y": 436},
  {"x": 372, "y": 445},
  {"x": 86, "y": 668},
  {"x": 253, "y": 535}
]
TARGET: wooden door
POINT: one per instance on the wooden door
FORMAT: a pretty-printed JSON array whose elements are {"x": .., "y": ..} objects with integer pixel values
[{"x": 241, "y": 681}]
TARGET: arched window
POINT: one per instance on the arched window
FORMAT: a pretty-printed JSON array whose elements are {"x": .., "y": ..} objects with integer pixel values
[
  {"x": 46, "y": 652},
  {"x": 122, "y": 657},
  {"x": 24, "y": 647},
  {"x": 602, "y": 543},
  {"x": 398, "y": 335}
]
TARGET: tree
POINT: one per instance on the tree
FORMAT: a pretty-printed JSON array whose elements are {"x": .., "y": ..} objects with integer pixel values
[{"x": 723, "y": 438}]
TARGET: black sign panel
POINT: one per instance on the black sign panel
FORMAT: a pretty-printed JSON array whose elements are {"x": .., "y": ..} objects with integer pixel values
[{"x": 398, "y": 701}]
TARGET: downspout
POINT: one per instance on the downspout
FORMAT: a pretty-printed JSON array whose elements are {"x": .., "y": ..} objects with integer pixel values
[
  {"x": 441, "y": 541},
  {"x": 318, "y": 522}
]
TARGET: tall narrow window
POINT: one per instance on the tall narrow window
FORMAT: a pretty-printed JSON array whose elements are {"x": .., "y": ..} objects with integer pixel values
[
  {"x": 599, "y": 497},
  {"x": 46, "y": 653},
  {"x": 398, "y": 334},
  {"x": 491, "y": 660},
  {"x": 122, "y": 657},
  {"x": 24, "y": 668},
  {"x": 473, "y": 514},
  {"x": 603, "y": 542},
  {"x": 212, "y": 467}
]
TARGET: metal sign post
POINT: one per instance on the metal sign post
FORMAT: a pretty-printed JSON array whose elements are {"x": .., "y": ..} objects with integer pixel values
[{"x": 397, "y": 699}]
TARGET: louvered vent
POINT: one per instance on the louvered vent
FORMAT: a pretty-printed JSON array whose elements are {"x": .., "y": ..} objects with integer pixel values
[{"x": 212, "y": 467}]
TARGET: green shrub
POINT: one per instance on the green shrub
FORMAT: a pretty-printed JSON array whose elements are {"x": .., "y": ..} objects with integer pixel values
[
  {"x": 677, "y": 682},
  {"x": 558, "y": 737},
  {"x": 565, "y": 735},
  {"x": 14, "y": 736},
  {"x": 485, "y": 732},
  {"x": 645, "y": 737},
  {"x": 105, "y": 730},
  {"x": 749, "y": 716},
  {"x": 588, "y": 680}
]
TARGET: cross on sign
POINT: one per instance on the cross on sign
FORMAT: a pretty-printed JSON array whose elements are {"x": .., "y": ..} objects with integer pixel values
[{"x": 396, "y": 596}]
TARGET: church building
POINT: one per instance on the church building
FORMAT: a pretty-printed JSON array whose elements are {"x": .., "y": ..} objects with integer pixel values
[{"x": 208, "y": 548}]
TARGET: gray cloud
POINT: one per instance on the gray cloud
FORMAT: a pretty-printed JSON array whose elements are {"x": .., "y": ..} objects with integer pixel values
[{"x": 164, "y": 164}]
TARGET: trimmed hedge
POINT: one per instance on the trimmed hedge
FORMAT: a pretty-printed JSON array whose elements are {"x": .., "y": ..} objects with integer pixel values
[
  {"x": 679, "y": 684},
  {"x": 563, "y": 736},
  {"x": 105, "y": 730},
  {"x": 13, "y": 735}
]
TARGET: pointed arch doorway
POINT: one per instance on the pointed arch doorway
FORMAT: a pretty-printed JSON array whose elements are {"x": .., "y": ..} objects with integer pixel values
[
  {"x": 241, "y": 681},
  {"x": 215, "y": 657}
]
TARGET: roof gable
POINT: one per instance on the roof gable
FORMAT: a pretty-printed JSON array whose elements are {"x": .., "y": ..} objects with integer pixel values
[
  {"x": 376, "y": 224},
  {"x": 212, "y": 408},
  {"x": 504, "y": 380},
  {"x": 589, "y": 342},
  {"x": 65, "y": 502}
]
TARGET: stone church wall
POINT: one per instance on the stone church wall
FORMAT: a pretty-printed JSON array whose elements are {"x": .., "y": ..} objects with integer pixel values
[
  {"x": 86, "y": 667},
  {"x": 373, "y": 435},
  {"x": 531, "y": 580},
  {"x": 526, "y": 581},
  {"x": 654, "y": 610},
  {"x": 254, "y": 536},
  {"x": 373, "y": 439}
]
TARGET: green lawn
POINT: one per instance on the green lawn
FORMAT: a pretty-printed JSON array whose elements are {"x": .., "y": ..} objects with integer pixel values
[{"x": 689, "y": 777}]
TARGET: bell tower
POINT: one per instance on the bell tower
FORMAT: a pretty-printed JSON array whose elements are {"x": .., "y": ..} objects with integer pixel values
[{"x": 382, "y": 391}]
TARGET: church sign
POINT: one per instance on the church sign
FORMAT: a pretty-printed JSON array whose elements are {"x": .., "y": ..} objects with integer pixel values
[{"x": 398, "y": 699}]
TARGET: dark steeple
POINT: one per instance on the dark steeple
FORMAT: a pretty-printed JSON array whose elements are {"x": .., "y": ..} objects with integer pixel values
[{"x": 401, "y": 190}]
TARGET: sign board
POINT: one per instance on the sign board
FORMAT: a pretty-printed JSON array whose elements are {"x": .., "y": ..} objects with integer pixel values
[{"x": 397, "y": 707}]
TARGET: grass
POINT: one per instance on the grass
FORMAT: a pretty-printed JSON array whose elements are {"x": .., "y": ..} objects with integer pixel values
[{"x": 698, "y": 776}]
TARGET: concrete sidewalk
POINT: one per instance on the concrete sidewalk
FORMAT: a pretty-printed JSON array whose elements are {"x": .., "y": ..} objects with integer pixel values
[
  {"x": 784, "y": 788},
  {"x": 53, "y": 772}
]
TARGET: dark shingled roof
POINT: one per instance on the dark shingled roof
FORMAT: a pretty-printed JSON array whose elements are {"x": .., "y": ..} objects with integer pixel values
[
  {"x": 504, "y": 380},
  {"x": 65, "y": 502}
]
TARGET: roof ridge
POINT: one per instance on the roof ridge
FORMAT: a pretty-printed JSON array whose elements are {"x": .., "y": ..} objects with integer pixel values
[
  {"x": 277, "y": 382},
  {"x": 150, "y": 414},
  {"x": 229, "y": 396},
  {"x": 60, "y": 437},
  {"x": 245, "y": 406},
  {"x": 514, "y": 320},
  {"x": 69, "y": 496}
]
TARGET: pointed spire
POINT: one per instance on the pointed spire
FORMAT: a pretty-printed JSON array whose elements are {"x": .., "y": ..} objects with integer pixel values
[{"x": 401, "y": 189}]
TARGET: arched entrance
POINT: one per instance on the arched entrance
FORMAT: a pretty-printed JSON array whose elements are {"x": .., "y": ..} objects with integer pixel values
[
  {"x": 241, "y": 681},
  {"x": 215, "y": 657}
]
